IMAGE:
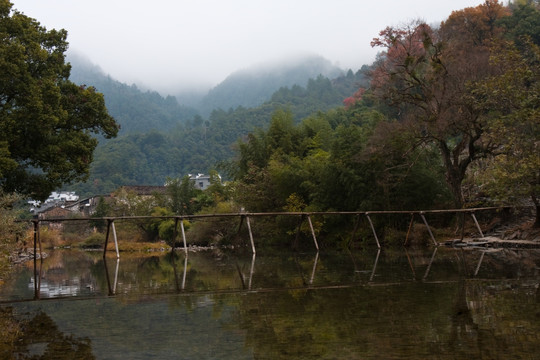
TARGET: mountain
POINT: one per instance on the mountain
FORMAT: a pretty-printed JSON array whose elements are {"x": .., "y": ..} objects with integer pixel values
[
  {"x": 253, "y": 86},
  {"x": 199, "y": 145},
  {"x": 141, "y": 111},
  {"x": 160, "y": 138},
  {"x": 135, "y": 110}
]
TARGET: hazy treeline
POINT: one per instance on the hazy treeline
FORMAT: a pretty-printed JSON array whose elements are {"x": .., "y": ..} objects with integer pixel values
[{"x": 170, "y": 147}]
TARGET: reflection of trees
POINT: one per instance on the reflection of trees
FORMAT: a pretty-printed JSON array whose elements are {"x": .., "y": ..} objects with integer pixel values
[
  {"x": 507, "y": 317},
  {"x": 464, "y": 319},
  {"x": 38, "y": 337},
  {"x": 372, "y": 322},
  {"x": 484, "y": 315},
  {"x": 463, "y": 327}
]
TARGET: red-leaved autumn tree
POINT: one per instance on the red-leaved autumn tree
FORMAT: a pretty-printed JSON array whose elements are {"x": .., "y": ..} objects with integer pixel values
[{"x": 426, "y": 73}]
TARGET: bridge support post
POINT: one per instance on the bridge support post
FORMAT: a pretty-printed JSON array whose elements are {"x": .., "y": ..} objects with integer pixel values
[
  {"x": 183, "y": 234},
  {"x": 109, "y": 222},
  {"x": 373, "y": 229},
  {"x": 115, "y": 240},
  {"x": 249, "y": 230},
  {"x": 479, "y": 263},
  {"x": 314, "y": 267},
  {"x": 429, "y": 229},
  {"x": 313, "y": 232},
  {"x": 409, "y": 230},
  {"x": 37, "y": 275},
  {"x": 175, "y": 233},
  {"x": 477, "y": 225},
  {"x": 375, "y": 265},
  {"x": 240, "y": 225},
  {"x": 250, "y": 235},
  {"x": 37, "y": 240},
  {"x": 251, "y": 270}
]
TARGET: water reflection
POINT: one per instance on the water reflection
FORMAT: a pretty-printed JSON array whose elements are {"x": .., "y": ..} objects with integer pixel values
[
  {"x": 112, "y": 289},
  {"x": 371, "y": 304},
  {"x": 44, "y": 289},
  {"x": 75, "y": 274},
  {"x": 36, "y": 336}
]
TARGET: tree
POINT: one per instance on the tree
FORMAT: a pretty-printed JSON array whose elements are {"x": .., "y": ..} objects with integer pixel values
[
  {"x": 103, "y": 209},
  {"x": 524, "y": 22},
  {"x": 513, "y": 97},
  {"x": 424, "y": 74},
  {"x": 182, "y": 193},
  {"x": 46, "y": 121},
  {"x": 9, "y": 230}
]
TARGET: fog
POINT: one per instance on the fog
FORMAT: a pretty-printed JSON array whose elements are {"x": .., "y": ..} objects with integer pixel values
[{"x": 173, "y": 45}]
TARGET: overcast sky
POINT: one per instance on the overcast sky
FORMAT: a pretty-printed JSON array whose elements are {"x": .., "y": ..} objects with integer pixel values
[{"x": 173, "y": 44}]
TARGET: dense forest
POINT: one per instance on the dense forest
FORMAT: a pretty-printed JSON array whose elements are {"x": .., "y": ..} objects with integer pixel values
[{"x": 196, "y": 144}]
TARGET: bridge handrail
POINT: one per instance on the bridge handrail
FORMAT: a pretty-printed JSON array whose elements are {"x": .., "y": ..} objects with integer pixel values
[{"x": 277, "y": 213}]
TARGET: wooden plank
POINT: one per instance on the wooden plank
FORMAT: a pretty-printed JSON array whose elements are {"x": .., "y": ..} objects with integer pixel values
[
  {"x": 492, "y": 241},
  {"x": 201, "y": 216}
]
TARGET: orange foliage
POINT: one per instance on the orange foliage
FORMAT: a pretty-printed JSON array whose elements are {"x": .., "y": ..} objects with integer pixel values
[
  {"x": 357, "y": 97},
  {"x": 475, "y": 26}
]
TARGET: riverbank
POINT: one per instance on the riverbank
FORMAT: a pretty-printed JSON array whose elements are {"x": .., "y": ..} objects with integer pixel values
[{"x": 515, "y": 234}]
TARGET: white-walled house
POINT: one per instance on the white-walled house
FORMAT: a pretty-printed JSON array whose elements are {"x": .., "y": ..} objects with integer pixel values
[
  {"x": 54, "y": 199},
  {"x": 65, "y": 196},
  {"x": 201, "y": 181}
]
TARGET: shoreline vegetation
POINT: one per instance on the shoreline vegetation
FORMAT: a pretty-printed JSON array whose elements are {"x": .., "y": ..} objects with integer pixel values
[
  {"x": 51, "y": 238},
  {"x": 517, "y": 232},
  {"x": 511, "y": 235}
]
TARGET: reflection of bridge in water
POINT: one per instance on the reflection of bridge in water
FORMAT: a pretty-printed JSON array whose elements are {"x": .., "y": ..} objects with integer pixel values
[
  {"x": 244, "y": 217},
  {"x": 364, "y": 276}
]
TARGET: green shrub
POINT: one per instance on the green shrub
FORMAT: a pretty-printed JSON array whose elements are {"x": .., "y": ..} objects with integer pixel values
[{"x": 94, "y": 241}]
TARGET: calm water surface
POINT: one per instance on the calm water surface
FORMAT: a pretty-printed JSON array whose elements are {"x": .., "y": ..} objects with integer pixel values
[{"x": 368, "y": 304}]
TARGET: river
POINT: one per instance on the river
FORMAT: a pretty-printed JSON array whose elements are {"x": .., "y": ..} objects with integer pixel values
[{"x": 436, "y": 303}]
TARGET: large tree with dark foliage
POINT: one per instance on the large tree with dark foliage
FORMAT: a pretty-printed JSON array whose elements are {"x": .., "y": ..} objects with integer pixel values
[
  {"x": 424, "y": 75},
  {"x": 46, "y": 121}
]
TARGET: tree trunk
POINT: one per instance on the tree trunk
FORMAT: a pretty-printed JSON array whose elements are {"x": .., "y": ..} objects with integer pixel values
[
  {"x": 454, "y": 181},
  {"x": 536, "y": 203},
  {"x": 455, "y": 174}
]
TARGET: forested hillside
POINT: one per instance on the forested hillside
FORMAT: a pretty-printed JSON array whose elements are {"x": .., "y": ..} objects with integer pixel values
[
  {"x": 199, "y": 145},
  {"x": 133, "y": 109},
  {"x": 254, "y": 86}
]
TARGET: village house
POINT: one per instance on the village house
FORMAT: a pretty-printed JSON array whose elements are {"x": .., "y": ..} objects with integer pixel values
[
  {"x": 87, "y": 207},
  {"x": 201, "y": 181},
  {"x": 54, "y": 212},
  {"x": 143, "y": 190}
]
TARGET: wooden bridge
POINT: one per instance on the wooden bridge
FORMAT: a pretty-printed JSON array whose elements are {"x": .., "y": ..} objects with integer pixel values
[{"x": 245, "y": 217}]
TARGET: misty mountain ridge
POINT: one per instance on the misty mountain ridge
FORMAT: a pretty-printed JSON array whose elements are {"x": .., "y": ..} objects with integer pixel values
[
  {"x": 253, "y": 86},
  {"x": 133, "y": 109},
  {"x": 249, "y": 87}
]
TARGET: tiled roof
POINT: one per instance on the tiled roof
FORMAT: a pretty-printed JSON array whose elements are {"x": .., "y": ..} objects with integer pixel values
[{"x": 145, "y": 189}]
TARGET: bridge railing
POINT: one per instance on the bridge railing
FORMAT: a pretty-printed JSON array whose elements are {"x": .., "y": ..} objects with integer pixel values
[{"x": 245, "y": 217}]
